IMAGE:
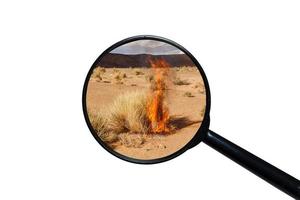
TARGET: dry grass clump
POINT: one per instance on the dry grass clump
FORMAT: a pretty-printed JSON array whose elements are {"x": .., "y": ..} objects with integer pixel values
[
  {"x": 188, "y": 94},
  {"x": 138, "y": 72},
  {"x": 119, "y": 77},
  {"x": 98, "y": 72},
  {"x": 201, "y": 88},
  {"x": 101, "y": 69},
  {"x": 99, "y": 123},
  {"x": 198, "y": 85},
  {"x": 98, "y": 78},
  {"x": 178, "y": 81},
  {"x": 127, "y": 114}
]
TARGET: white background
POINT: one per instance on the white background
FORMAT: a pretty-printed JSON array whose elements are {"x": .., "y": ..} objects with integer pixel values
[{"x": 249, "y": 51}]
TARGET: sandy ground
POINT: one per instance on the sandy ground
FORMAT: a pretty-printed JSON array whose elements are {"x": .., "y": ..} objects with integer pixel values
[{"x": 102, "y": 93}]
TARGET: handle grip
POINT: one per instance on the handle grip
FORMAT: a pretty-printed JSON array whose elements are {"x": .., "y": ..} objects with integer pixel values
[{"x": 254, "y": 164}]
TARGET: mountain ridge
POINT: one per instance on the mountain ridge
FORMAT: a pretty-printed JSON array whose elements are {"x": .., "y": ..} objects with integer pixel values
[{"x": 142, "y": 60}]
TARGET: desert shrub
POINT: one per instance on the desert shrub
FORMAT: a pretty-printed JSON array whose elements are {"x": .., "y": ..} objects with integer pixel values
[
  {"x": 188, "y": 94},
  {"x": 101, "y": 69},
  {"x": 124, "y": 75},
  {"x": 98, "y": 77},
  {"x": 97, "y": 73},
  {"x": 178, "y": 81},
  {"x": 117, "y": 76},
  {"x": 126, "y": 114}
]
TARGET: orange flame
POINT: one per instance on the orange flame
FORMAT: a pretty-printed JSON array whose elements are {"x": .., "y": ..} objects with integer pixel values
[{"x": 157, "y": 111}]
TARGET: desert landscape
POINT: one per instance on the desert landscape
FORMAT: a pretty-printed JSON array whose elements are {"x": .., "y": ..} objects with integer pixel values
[{"x": 146, "y": 105}]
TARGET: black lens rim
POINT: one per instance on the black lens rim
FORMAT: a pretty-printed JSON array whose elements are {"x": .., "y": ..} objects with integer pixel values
[{"x": 197, "y": 137}]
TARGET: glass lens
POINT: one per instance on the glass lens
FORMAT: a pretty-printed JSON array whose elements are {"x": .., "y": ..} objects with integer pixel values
[{"x": 145, "y": 99}]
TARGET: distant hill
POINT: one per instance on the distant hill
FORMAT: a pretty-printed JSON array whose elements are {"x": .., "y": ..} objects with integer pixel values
[{"x": 142, "y": 60}]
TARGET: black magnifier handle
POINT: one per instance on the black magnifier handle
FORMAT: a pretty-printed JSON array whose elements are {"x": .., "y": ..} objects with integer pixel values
[{"x": 261, "y": 168}]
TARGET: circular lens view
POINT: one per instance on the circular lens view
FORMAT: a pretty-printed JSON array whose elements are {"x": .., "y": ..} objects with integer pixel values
[{"x": 145, "y": 99}]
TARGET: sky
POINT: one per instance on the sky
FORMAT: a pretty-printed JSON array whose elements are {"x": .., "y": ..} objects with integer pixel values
[{"x": 147, "y": 47}]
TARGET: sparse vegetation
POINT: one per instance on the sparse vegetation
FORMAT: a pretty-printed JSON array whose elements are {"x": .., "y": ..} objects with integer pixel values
[
  {"x": 98, "y": 72},
  {"x": 188, "y": 94},
  {"x": 178, "y": 81},
  {"x": 98, "y": 77},
  {"x": 138, "y": 72},
  {"x": 125, "y": 121},
  {"x": 115, "y": 70},
  {"x": 101, "y": 69},
  {"x": 198, "y": 85},
  {"x": 117, "y": 77}
]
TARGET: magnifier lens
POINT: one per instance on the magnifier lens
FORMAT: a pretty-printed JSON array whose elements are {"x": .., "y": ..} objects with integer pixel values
[{"x": 145, "y": 99}]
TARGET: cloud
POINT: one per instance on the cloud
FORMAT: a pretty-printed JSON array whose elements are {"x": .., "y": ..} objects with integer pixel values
[{"x": 147, "y": 47}]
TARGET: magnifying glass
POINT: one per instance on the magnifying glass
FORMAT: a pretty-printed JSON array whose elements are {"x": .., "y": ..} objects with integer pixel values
[{"x": 146, "y": 100}]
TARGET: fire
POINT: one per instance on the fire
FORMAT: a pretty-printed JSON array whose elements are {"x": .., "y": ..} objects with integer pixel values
[{"x": 157, "y": 111}]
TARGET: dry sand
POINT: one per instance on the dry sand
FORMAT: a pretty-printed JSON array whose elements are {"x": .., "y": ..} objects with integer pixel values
[{"x": 102, "y": 93}]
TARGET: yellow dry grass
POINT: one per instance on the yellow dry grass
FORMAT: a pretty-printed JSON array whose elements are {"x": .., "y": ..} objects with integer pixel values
[{"x": 126, "y": 114}]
